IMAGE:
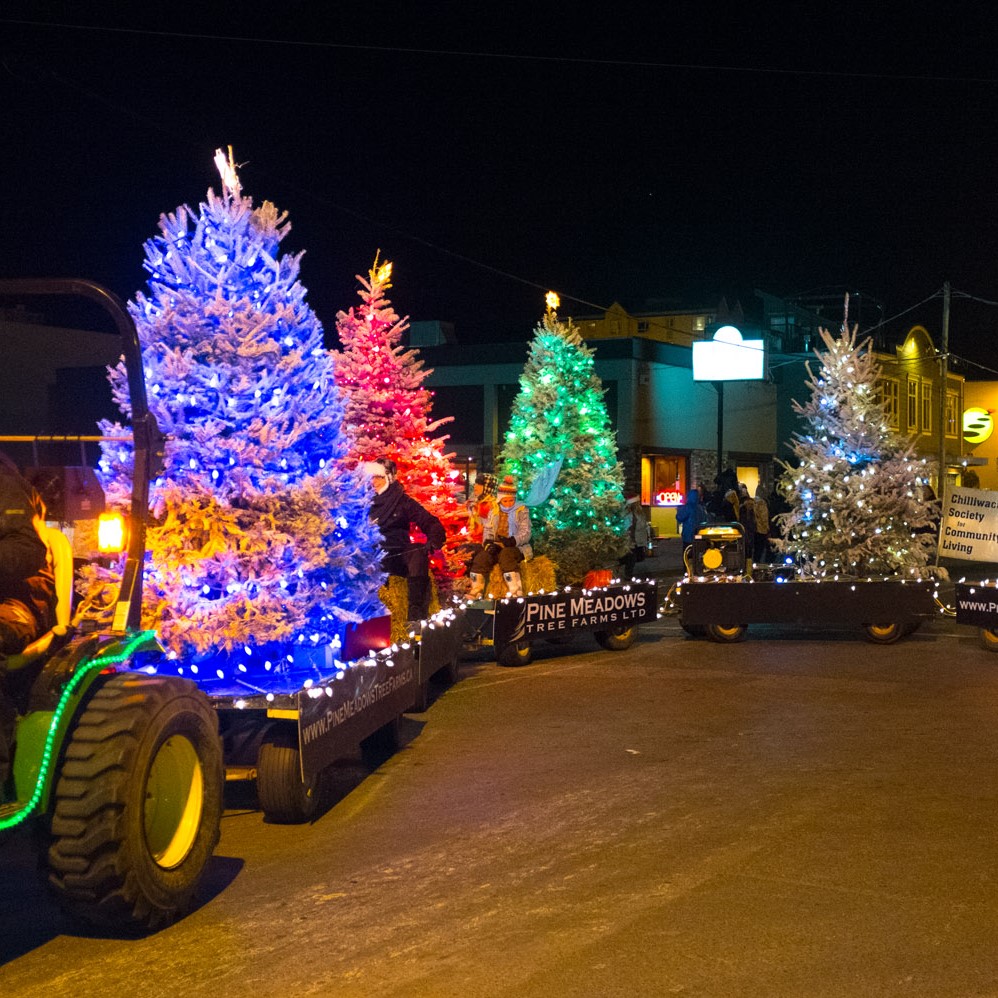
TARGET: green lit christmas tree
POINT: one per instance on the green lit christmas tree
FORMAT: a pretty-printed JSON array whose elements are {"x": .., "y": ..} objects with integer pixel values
[
  {"x": 854, "y": 491},
  {"x": 560, "y": 415}
]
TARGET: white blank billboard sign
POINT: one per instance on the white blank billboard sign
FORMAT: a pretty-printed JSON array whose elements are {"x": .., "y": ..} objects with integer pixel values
[{"x": 727, "y": 357}]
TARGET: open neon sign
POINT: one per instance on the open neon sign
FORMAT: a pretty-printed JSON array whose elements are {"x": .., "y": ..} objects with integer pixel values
[{"x": 669, "y": 497}]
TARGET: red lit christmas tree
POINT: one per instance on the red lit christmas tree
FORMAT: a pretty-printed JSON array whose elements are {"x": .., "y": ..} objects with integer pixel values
[{"x": 387, "y": 409}]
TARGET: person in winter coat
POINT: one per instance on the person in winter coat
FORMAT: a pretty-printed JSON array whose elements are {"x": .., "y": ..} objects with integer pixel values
[
  {"x": 506, "y": 543},
  {"x": 746, "y": 517},
  {"x": 730, "y": 512},
  {"x": 639, "y": 533},
  {"x": 395, "y": 512},
  {"x": 27, "y": 593},
  {"x": 480, "y": 507},
  {"x": 690, "y": 517},
  {"x": 763, "y": 551}
]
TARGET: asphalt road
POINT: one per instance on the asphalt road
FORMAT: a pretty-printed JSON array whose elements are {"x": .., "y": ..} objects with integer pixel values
[{"x": 802, "y": 815}]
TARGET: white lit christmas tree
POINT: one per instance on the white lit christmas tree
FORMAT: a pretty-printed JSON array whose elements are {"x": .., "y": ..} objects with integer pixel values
[
  {"x": 560, "y": 414},
  {"x": 854, "y": 492},
  {"x": 260, "y": 536},
  {"x": 388, "y": 409}
]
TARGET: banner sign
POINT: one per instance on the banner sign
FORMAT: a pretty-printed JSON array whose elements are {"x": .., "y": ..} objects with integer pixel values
[
  {"x": 561, "y": 614},
  {"x": 977, "y": 603},
  {"x": 366, "y": 696},
  {"x": 969, "y": 527}
]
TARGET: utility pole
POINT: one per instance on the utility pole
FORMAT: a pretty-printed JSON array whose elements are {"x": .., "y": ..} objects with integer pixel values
[
  {"x": 719, "y": 387},
  {"x": 944, "y": 371}
]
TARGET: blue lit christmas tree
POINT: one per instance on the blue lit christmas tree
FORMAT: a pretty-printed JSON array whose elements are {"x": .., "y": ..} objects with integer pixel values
[
  {"x": 853, "y": 491},
  {"x": 260, "y": 535},
  {"x": 560, "y": 414}
]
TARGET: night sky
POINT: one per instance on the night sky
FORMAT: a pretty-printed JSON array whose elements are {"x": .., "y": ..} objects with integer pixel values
[{"x": 664, "y": 155}]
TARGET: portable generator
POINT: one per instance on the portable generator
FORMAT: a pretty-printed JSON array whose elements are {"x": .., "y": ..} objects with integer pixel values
[{"x": 719, "y": 549}]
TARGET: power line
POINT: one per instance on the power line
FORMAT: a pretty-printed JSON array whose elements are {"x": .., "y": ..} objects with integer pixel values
[{"x": 503, "y": 56}]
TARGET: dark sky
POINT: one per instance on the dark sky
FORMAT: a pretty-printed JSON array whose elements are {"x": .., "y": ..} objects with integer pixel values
[{"x": 674, "y": 152}]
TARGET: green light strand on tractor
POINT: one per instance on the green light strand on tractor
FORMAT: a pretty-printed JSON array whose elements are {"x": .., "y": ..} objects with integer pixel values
[{"x": 94, "y": 665}]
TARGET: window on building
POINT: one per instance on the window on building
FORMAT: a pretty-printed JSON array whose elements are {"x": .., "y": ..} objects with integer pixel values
[
  {"x": 888, "y": 393},
  {"x": 663, "y": 479},
  {"x": 642, "y": 327},
  {"x": 927, "y": 419},
  {"x": 699, "y": 323},
  {"x": 912, "y": 405},
  {"x": 952, "y": 407}
]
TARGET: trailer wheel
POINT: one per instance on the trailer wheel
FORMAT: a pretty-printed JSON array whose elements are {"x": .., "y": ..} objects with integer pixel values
[
  {"x": 422, "y": 701},
  {"x": 884, "y": 634},
  {"x": 694, "y": 630},
  {"x": 517, "y": 653},
  {"x": 383, "y": 743},
  {"x": 618, "y": 639},
  {"x": 280, "y": 792},
  {"x": 726, "y": 634},
  {"x": 137, "y": 804},
  {"x": 988, "y": 637}
]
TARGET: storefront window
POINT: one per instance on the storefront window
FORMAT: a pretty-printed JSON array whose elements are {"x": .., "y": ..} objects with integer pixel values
[{"x": 663, "y": 480}]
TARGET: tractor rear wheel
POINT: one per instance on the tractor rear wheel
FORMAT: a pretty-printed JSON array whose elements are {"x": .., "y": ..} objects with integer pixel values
[{"x": 137, "y": 803}]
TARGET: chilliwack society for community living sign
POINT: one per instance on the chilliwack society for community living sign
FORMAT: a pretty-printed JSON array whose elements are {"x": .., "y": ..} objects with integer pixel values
[{"x": 969, "y": 527}]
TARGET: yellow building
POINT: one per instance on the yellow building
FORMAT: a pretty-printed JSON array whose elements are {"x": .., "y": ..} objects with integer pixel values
[
  {"x": 680, "y": 326},
  {"x": 979, "y": 439},
  {"x": 910, "y": 387}
]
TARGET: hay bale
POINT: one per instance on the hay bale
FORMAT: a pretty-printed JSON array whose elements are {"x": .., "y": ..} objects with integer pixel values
[
  {"x": 537, "y": 574},
  {"x": 395, "y": 596}
]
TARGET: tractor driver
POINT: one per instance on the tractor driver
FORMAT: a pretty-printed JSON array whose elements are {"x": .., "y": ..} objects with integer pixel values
[{"x": 27, "y": 594}]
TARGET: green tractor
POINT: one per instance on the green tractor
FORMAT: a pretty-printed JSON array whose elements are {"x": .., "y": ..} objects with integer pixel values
[{"x": 120, "y": 770}]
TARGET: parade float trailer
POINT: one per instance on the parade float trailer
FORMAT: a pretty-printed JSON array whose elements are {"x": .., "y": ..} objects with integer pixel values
[
  {"x": 610, "y": 610},
  {"x": 719, "y": 598}
]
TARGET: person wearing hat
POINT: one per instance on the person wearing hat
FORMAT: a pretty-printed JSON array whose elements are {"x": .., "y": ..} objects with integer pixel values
[
  {"x": 480, "y": 505},
  {"x": 505, "y": 542},
  {"x": 395, "y": 512}
]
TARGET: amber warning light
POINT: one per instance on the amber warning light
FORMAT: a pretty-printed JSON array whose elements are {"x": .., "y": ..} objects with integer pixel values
[{"x": 110, "y": 533}]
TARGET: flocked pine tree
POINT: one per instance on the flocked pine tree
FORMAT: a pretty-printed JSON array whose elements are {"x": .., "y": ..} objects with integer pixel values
[
  {"x": 560, "y": 414},
  {"x": 854, "y": 494},
  {"x": 260, "y": 536},
  {"x": 388, "y": 409}
]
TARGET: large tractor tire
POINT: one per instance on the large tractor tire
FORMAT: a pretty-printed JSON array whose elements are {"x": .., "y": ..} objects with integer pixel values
[
  {"x": 282, "y": 796},
  {"x": 137, "y": 804}
]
